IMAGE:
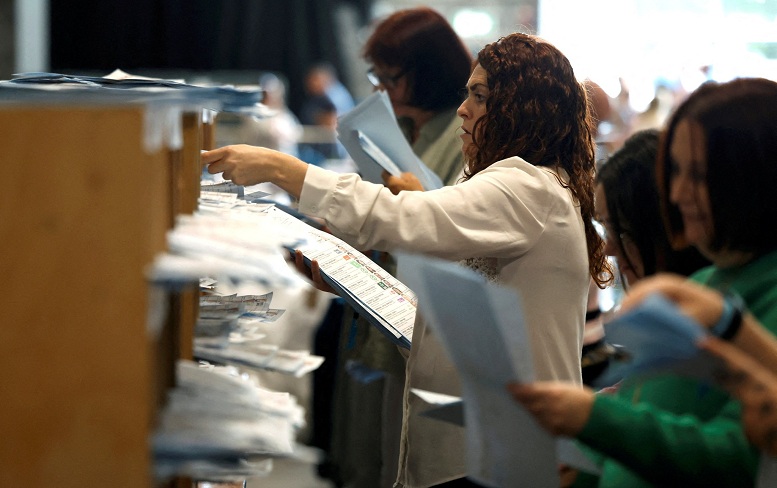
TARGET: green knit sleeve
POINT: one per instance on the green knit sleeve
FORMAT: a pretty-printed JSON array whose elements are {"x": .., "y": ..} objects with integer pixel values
[{"x": 668, "y": 449}]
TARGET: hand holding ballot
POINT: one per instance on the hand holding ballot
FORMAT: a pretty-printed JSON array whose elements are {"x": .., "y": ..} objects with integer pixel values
[
  {"x": 561, "y": 408},
  {"x": 250, "y": 165},
  {"x": 403, "y": 182},
  {"x": 704, "y": 305},
  {"x": 373, "y": 139},
  {"x": 312, "y": 272}
]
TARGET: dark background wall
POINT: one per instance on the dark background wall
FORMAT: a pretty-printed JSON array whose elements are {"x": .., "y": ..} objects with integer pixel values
[
  {"x": 198, "y": 35},
  {"x": 6, "y": 38}
]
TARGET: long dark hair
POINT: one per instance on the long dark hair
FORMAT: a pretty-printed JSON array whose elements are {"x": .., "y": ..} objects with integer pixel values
[
  {"x": 537, "y": 110},
  {"x": 628, "y": 178}
]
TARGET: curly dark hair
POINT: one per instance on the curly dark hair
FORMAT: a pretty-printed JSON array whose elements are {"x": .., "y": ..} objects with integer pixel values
[{"x": 537, "y": 110}]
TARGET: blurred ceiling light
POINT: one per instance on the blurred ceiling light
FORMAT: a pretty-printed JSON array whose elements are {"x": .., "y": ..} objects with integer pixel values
[{"x": 472, "y": 23}]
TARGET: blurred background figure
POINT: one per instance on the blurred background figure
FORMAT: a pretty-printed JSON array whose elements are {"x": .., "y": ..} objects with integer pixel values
[
  {"x": 281, "y": 130},
  {"x": 321, "y": 81},
  {"x": 601, "y": 108},
  {"x": 326, "y": 98},
  {"x": 657, "y": 112},
  {"x": 421, "y": 63},
  {"x": 629, "y": 211}
]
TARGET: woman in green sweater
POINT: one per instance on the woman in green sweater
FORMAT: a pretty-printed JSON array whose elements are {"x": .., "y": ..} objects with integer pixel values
[
  {"x": 718, "y": 171},
  {"x": 749, "y": 352}
]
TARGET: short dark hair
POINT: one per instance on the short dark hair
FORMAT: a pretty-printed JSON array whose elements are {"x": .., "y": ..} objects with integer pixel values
[
  {"x": 739, "y": 125},
  {"x": 426, "y": 49},
  {"x": 628, "y": 178}
]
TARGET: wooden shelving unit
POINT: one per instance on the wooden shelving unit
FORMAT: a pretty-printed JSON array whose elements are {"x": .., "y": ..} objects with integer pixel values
[{"x": 84, "y": 211}]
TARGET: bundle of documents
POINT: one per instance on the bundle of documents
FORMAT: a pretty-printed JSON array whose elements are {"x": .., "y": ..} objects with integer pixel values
[
  {"x": 223, "y": 98},
  {"x": 656, "y": 337},
  {"x": 232, "y": 239},
  {"x": 383, "y": 300},
  {"x": 219, "y": 425},
  {"x": 227, "y": 333},
  {"x": 372, "y": 137}
]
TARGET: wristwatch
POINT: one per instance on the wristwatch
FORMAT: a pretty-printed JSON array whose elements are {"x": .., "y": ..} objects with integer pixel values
[{"x": 731, "y": 319}]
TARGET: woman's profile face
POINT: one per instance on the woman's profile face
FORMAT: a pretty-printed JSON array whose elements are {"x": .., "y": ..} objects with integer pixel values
[
  {"x": 474, "y": 105},
  {"x": 618, "y": 244},
  {"x": 688, "y": 184}
]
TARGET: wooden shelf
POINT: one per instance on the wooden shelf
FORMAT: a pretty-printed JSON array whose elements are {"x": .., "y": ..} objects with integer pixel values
[{"x": 84, "y": 212}]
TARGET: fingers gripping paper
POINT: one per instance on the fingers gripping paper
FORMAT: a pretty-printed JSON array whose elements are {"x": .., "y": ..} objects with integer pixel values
[{"x": 481, "y": 326}]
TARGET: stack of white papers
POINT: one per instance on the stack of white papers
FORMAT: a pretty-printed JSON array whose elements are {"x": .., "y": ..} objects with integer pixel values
[
  {"x": 227, "y": 333},
  {"x": 372, "y": 137},
  {"x": 216, "y": 421},
  {"x": 228, "y": 238}
]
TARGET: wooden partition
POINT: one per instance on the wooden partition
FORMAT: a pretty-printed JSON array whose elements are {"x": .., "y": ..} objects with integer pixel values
[
  {"x": 186, "y": 176},
  {"x": 83, "y": 211}
]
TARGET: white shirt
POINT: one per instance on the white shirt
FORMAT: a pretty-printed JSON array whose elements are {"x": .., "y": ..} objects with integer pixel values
[{"x": 528, "y": 228}]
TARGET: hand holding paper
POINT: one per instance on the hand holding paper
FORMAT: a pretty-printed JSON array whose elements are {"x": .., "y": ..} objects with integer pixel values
[
  {"x": 370, "y": 131},
  {"x": 561, "y": 408},
  {"x": 403, "y": 182},
  {"x": 383, "y": 300},
  {"x": 481, "y": 326},
  {"x": 655, "y": 336}
]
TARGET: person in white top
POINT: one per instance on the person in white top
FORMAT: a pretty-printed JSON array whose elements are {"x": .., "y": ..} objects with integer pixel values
[{"x": 522, "y": 216}]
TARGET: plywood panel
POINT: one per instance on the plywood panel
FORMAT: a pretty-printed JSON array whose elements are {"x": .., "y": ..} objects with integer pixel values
[{"x": 84, "y": 210}]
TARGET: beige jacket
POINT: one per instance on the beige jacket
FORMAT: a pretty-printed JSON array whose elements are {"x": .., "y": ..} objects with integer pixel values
[{"x": 527, "y": 231}]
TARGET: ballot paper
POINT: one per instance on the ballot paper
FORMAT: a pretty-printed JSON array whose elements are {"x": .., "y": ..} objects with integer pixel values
[
  {"x": 216, "y": 419},
  {"x": 379, "y": 297},
  {"x": 371, "y": 136},
  {"x": 451, "y": 409},
  {"x": 259, "y": 356},
  {"x": 481, "y": 326},
  {"x": 656, "y": 337},
  {"x": 377, "y": 155},
  {"x": 234, "y": 239},
  {"x": 442, "y": 407},
  {"x": 223, "y": 187}
]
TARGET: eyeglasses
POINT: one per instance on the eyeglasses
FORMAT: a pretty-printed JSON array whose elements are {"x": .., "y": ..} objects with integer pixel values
[
  {"x": 387, "y": 81},
  {"x": 608, "y": 232}
]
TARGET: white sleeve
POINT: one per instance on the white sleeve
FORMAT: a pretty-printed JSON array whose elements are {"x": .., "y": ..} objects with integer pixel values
[{"x": 500, "y": 212}]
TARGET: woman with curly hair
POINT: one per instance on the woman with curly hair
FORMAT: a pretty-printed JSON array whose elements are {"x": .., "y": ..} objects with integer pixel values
[
  {"x": 421, "y": 63},
  {"x": 522, "y": 216}
]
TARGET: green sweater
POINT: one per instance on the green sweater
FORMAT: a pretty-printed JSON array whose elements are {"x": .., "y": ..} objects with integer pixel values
[{"x": 674, "y": 431}]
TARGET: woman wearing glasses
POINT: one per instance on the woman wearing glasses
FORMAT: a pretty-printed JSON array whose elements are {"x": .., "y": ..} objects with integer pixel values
[
  {"x": 422, "y": 64},
  {"x": 628, "y": 208}
]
